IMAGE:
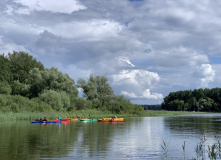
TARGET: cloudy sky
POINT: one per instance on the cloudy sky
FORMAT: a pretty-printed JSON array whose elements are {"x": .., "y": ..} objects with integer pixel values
[{"x": 147, "y": 48}]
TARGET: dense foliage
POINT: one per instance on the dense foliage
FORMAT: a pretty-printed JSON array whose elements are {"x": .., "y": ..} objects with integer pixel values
[
  {"x": 196, "y": 100},
  {"x": 25, "y": 85},
  {"x": 152, "y": 107}
]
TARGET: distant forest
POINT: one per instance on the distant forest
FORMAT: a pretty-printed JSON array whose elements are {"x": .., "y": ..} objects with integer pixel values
[
  {"x": 26, "y": 85},
  {"x": 196, "y": 100},
  {"x": 151, "y": 107}
]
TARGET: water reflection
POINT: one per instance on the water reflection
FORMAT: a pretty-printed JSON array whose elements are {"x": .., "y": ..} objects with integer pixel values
[
  {"x": 137, "y": 138},
  {"x": 195, "y": 124}
]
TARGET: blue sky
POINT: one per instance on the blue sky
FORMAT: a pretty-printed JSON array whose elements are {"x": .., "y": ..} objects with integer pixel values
[{"x": 147, "y": 49}]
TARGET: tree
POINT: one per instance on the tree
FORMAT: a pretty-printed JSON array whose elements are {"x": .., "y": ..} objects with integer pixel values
[
  {"x": 5, "y": 88},
  {"x": 206, "y": 104},
  {"x": 5, "y": 72},
  {"x": 21, "y": 63},
  {"x": 58, "y": 100},
  {"x": 176, "y": 105},
  {"x": 50, "y": 79},
  {"x": 96, "y": 89}
]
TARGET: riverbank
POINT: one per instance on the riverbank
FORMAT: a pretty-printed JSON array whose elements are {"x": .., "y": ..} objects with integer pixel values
[
  {"x": 87, "y": 113},
  {"x": 159, "y": 113}
]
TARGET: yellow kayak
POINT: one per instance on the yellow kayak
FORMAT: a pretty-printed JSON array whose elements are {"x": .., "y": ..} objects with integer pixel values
[
  {"x": 74, "y": 119},
  {"x": 114, "y": 119}
]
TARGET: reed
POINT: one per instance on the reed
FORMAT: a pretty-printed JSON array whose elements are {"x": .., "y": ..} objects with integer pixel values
[
  {"x": 153, "y": 113},
  {"x": 165, "y": 150},
  {"x": 54, "y": 114},
  {"x": 213, "y": 151},
  {"x": 85, "y": 114}
]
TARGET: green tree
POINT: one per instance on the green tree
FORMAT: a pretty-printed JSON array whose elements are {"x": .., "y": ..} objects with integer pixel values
[
  {"x": 50, "y": 79},
  {"x": 96, "y": 89},
  {"x": 21, "y": 64},
  {"x": 206, "y": 104},
  {"x": 5, "y": 88},
  {"x": 58, "y": 100},
  {"x": 176, "y": 105},
  {"x": 5, "y": 71}
]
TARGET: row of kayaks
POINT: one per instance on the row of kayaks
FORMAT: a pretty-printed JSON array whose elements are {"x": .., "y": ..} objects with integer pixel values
[
  {"x": 84, "y": 120},
  {"x": 104, "y": 120},
  {"x": 53, "y": 121}
]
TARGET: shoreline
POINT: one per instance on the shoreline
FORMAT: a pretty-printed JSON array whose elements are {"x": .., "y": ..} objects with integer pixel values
[{"x": 88, "y": 113}]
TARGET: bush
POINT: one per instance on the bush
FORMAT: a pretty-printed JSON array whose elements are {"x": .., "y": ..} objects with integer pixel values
[
  {"x": 17, "y": 103},
  {"x": 5, "y": 88},
  {"x": 58, "y": 100}
]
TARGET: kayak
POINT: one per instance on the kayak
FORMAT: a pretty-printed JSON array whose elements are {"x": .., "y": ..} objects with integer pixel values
[
  {"x": 104, "y": 120},
  {"x": 111, "y": 120},
  {"x": 73, "y": 119},
  {"x": 63, "y": 121},
  {"x": 46, "y": 122},
  {"x": 118, "y": 120},
  {"x": 87, "y": 120}
]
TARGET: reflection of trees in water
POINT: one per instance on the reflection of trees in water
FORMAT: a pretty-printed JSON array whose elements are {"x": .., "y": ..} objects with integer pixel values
[
  {"x": 22, "y": 140},
  {"x": 194, "y": 124}
]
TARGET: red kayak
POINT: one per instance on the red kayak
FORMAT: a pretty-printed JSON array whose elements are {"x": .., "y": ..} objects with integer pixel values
[{"x": 64, "y": 120}]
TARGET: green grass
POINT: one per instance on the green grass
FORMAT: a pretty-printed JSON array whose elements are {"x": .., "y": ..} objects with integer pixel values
[
  {"x": 85, "y": 114},
  {"x": 152, "y": 113},
  {"x": 54, "y": 115}
]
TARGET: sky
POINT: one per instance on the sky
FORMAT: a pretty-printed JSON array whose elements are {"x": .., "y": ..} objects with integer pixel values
[{"x": 146, "y": 48}]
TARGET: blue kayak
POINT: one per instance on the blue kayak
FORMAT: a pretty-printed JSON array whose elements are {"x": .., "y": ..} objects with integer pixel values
[{"x": 46, "y": 122}]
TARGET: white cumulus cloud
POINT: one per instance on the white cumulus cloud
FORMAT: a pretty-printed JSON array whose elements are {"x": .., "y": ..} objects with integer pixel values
[
  {"x": 145, "y": 95},
  {"x": 137, "y": 83},
  {"x": 67, "y": 6},
  {"x": 207, "y": 74}
]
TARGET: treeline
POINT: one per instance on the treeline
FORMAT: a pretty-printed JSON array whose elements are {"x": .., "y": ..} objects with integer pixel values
[
  {"x": 196, "y": 100},
  {"x": 151, "y": 107},
  {"x": 26, "y": 85}
]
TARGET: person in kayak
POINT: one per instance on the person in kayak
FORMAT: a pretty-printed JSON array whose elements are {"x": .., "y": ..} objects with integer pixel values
[
  {"x": 41, "y": 119},
  {"x": 65, "y": 118},
  {"x": 45, "y": 119},
  {"x": 114, "y": 117},
  {"x": 59, "y": 118}
]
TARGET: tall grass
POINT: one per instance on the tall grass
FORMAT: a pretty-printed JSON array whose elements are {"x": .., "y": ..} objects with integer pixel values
[
  {"x": 54, "y": 114},
  {"x": 155, "y": 113},
  {"x": 203, "y": 151},
  {"x": 84, "y": 114}
]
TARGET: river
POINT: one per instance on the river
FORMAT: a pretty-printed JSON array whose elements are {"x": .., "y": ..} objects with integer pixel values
[{"x": 136, "y": 138}]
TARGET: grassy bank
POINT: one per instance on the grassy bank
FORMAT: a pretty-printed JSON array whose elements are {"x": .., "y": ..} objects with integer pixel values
[
  {"x": 86, "y": 113},
  {"x": 152, "y": 113},
  {"x": 54, "y": 115}
]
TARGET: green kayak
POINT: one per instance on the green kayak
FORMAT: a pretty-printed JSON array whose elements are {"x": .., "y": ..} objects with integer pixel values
[{"x": 87, "y": 120}]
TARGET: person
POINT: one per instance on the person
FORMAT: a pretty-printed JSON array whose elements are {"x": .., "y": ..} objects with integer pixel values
[
  {"x": 45, "y": 119},
  {"x": 65, "y": 118},
  {"x": 41, "y": 119},
  {"x": 59, "y": 118},
  {"x": 79, "y": 117},
  {"x": 114, "y": 117}
]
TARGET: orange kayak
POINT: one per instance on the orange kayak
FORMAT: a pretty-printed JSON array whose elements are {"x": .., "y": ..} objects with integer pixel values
[{"x": 73, "y": 119}]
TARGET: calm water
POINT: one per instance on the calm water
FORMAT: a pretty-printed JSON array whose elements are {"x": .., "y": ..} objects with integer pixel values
[{"x": 137, "y": 138}]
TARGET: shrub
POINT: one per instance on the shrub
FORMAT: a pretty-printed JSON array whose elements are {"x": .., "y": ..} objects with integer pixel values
[{"x": 58, "y": 100}]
